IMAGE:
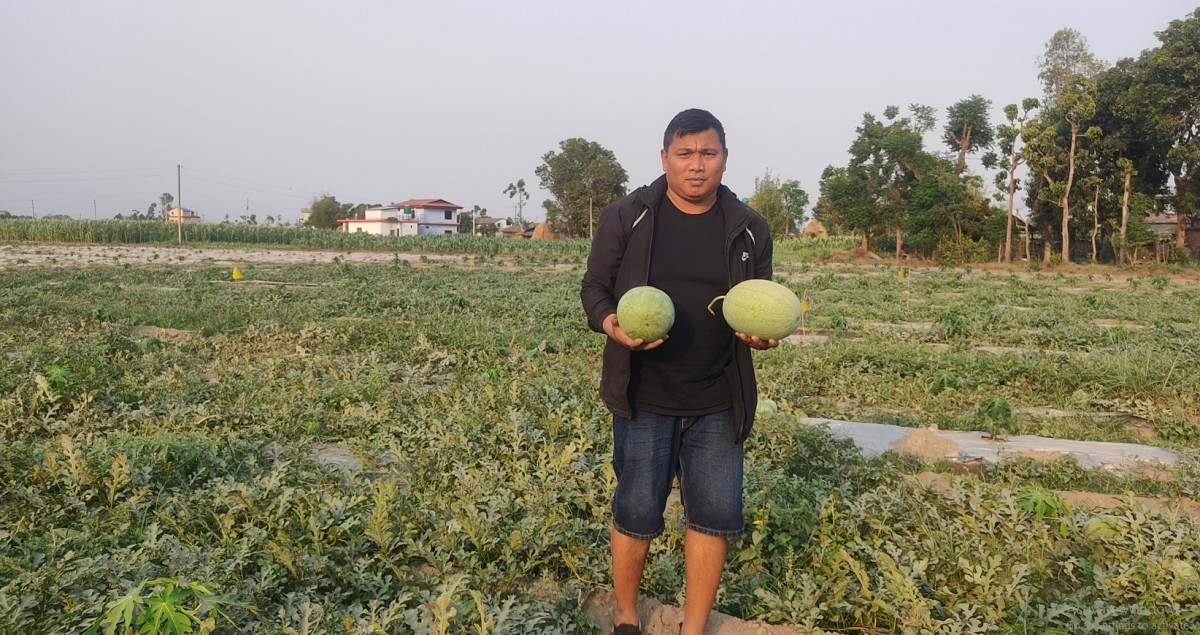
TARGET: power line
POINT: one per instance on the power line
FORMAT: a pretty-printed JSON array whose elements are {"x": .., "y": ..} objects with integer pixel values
[
  {"x": 87, "y": 178},
  {"x": 73, "y": 198},
  {"x": 84, "y": 171},
  {"x": 254, "y": 189}
]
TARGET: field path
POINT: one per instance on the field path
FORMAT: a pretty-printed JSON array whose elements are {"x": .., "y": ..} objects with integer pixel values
[{"x": 87, "y": 255}]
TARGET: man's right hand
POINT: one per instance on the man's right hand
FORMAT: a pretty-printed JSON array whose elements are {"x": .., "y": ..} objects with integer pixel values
[{"x": 621, "y": 337}]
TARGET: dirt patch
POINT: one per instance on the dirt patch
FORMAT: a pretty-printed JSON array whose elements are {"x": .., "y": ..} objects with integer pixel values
[
  {"x": 1118, "y": 323},
  {"x": 1010, "y": 350},
  {"x": 1038, "y": 455},
  {"x": 925, "y": 443},
  {"x": 158, "y": 332},
  {"x": 1151, "y": 473},
  {"x": 1093, "y": 500},
  {"x": 1080, "y": 500},
  {"x": 797, "y": 338},
  {"x": 911, "y": 326},
  {"x": 663, "y": 619}
]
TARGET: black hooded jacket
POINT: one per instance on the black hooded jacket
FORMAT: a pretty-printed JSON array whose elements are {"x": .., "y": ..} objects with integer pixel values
[{"x": 620, "y": 260}]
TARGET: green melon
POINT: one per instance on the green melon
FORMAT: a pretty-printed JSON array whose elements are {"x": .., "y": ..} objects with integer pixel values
[
  {"x": 645, "y": 313},
  {"x": 761, "y": 308}
]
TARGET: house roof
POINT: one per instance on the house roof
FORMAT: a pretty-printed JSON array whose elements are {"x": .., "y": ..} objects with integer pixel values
[{"x": 428, "y": 202}]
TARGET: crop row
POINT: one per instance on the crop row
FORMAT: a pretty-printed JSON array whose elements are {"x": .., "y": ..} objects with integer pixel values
[{"x": 421, "y": 449}]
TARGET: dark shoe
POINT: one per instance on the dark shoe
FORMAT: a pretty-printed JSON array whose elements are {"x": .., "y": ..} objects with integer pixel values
[{"x": 627, "y": 629}]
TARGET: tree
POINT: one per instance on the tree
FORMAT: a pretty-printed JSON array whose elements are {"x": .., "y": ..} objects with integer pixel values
[
  {"x": 1009, "y": 133},
  {"x": 1053, "y": 148},
  {"x": 582, "y": 177},
  {"x": 968, "y": 128},
  {"x": 517, "y": 191},
  {"x": 846, "y": 203},
  {"x": 1170, "y": 82},
  {"x": 1131, "y": 155},
  {"x": 165, "y": 201},
  {"x": 768, "y": 201},
  {"x": 466, "y": 220},
  {"x": 1066, "y": 57},
  {"x": 324, "y": 212},
  {"x": 892, "y": 155},
  {"x": 795, "y": 200}
]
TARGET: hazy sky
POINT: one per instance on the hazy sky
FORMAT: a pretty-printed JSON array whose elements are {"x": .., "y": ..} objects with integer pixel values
[{"x": 272, "y": 102}]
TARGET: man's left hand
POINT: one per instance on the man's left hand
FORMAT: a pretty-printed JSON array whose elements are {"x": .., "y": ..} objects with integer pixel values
[{"x": 756, "y": 342}]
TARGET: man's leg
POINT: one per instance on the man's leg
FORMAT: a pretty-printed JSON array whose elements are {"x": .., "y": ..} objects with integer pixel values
[
  {"x": 710, "y": 462},
  {"x": 704, "y": 558},
  {"x": 628, "y": 562},
  {"x": 643, "y": 462}
]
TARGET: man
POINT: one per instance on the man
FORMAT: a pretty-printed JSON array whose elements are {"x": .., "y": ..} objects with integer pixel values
[{"x": 684, "y": 404}]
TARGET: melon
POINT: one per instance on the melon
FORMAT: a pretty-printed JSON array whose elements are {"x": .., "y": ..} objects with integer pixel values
[
  {"x": 761, "y": 308},
  {"x": 645, "y": 313}
]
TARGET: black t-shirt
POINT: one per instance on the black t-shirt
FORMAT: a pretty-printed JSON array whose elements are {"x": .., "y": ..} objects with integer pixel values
[{"x": 684, "y": 375}]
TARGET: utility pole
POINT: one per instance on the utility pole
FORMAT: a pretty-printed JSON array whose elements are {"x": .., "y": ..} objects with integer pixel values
[
  {"x": 33, "y": 209},
  {"x": 179, "y": 201},
  {"x": 95, "y": 212}
]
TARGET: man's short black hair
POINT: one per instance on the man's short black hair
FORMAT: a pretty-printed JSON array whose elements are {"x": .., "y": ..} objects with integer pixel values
[{"x": 692, "y": 121}]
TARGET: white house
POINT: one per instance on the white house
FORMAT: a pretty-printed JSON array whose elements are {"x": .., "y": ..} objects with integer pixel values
[{"x": 409, "y": 218}]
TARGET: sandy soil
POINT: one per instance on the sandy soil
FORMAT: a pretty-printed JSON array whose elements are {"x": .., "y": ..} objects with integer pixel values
[{"x": 664, "y": 619}]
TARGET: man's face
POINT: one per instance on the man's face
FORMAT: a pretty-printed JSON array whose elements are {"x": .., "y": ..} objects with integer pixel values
[{"x": 694, "y": 164}]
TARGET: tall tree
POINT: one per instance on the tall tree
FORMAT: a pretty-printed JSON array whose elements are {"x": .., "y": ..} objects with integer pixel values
[
  {"x": 768, "y": 201},
  {"x": 968, "y": 128},
  {"x": 164, "y": 203},
  {"x": 1066, "y": 57},
  {"x": 895, "y": 157},
  {"x": 517, "y": 191},
  {"x": 1052, "y": 151},
  {"x": 795, "y": 200},
  {"x": 1172, "y": 75},
  {"x": 582, "y": 176},
  {"x": 1132, "y": 151},
  {"x": 1009, "y": 133},
  {"x": 846, "y": 203}
]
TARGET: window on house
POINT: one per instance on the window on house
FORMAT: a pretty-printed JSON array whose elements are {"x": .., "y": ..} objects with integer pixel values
[
  {"x": 449, "y": 215},
  {"x": 449, "y": 232}
]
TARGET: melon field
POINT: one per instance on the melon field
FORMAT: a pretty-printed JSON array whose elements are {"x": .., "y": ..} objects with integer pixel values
[{"x": 415, "y": 444}]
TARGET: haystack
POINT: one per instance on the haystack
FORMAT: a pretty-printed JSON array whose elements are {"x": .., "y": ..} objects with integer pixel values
[
  {"x": 542, "y": 230},
  {"x": 814, "y": 229}
]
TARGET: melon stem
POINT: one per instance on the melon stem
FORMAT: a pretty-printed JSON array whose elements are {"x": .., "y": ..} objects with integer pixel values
[{"x": 714, "y": 301}]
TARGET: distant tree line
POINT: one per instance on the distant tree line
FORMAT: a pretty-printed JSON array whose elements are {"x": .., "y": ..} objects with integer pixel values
[{"x": 1101, "y": 146}]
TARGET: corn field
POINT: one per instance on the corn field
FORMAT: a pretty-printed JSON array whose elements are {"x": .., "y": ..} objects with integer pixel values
[
  {"x": 165, "y": 233},
  {"x": 114, "y": 232}
]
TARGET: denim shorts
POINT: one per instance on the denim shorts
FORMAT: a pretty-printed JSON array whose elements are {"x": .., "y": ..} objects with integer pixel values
[{"x": 650, "y": 450}]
